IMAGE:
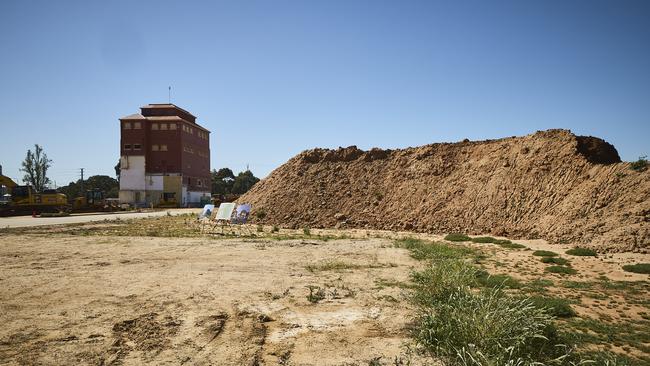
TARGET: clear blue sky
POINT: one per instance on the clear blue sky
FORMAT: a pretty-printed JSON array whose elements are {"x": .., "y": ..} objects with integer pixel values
[{"x": 272, "y": 78}]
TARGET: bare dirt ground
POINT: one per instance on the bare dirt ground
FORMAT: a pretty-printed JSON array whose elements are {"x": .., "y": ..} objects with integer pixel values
[
  {"x": 168, "y": 291},
  {"x": 134, "y": 300}
]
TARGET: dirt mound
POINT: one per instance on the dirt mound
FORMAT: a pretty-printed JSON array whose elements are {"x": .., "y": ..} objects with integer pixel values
[{"x": 550, "y": 184}]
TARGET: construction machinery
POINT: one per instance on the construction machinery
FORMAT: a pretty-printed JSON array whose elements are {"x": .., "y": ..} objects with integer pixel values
[
  {"x": 25, "y": 199},
  {"x": 93, "y": 200},
  {"x": 167, "y": 200}
]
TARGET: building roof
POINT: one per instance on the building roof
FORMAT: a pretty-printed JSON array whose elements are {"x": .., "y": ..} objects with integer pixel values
[
  {"x": 133, "y": 116},
  {"x": 165, "y": 105}
]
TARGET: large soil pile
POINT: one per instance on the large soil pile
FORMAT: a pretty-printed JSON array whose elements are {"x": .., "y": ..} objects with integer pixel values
[{"x": 551, "y": 185}]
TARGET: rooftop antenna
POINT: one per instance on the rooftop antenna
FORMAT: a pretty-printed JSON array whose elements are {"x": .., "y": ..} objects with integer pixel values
[{"x": 169, "y": 94}]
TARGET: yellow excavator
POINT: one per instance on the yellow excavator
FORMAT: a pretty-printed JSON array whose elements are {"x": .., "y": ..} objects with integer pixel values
[{"x": 25, "y": 200}]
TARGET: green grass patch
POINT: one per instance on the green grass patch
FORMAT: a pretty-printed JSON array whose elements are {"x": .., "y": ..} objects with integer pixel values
[
  {"x": 643, "y": 268},
  {"x": 511, "y": 245},
  {"x": 457, "y": 237},
  {"x": 427, "y": 250},
  {"x": 555, "y": 260},
  {"x": 545, "y": 253},
  {"x": 582, "y": 252},
  {"x": 483, "y": 239},
  {"x": 555, "y": 306},
  {"x": 561, "y": 270},
  {"x": 484, "y": 279}
]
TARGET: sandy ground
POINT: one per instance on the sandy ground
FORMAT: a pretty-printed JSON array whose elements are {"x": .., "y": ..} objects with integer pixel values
[
  {"x": 199, "y": 301},
  {"x": 28, "y": 221}
]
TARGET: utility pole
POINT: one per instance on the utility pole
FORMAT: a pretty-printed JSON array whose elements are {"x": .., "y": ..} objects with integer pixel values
[{"x": 82, "y": 181}]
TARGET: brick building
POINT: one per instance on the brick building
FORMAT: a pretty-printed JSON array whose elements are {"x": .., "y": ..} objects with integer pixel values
[{"x": 164, "y": 153}]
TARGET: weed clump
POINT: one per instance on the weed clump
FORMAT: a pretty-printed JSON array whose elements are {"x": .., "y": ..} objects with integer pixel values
[
  {"x": 643, "y": 268},
  {"x": 306, "y": 231},
  {"x": 561, "y": 270},
  {"x": 457, "y": 237},
  {"x": 275, "y": 229},
  {"x": 545, "y": 253},
  {"x": 583, "y": 252},
  {"x": 316, "y": 294}
]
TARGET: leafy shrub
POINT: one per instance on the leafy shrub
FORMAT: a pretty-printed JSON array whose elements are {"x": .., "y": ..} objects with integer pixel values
[
  {"x": 457, "y": 237},
  {"x": 306, "y": 231},
  {"x": 260, "y": 228},
  {"x": 554, "y": 306},
  {"x": 555, "y": 260},
  {"x": 640, "y": 165},
  {"x": 583, "y": 252},
  {"x": 643, "y": 268},
  {"x": 561, "y": 270},
  {"x": 483, "y": 239},
  {"x": 544, "y": 253}
]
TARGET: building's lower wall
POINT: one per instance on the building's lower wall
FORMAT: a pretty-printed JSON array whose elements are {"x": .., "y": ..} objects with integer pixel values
[
  {"x": 155, "y": 186},
  {"x": 197, "y": 199},
  {"x": 132, "y": 172},
  {"x": 133, "y": 197}
]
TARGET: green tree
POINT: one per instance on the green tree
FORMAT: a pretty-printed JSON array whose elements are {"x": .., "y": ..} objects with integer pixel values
[
  {"x": 243, "y": 182},
  {"x": 109, "y": 185},
  {"x": 118, "y": 169},
  {"x": 35, "y": 167},
  {"x": 222, "y": 181}
]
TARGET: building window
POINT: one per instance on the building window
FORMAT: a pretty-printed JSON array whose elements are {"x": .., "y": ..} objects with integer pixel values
[
  {"x": 191, "y": 131},
  {"x": 127, "y": 125},
  {"x": 137, "y": 146},
  {"x": 137, "y": 125},
  {"x": 154, "y": 147},
  {"x": 127, "y": 146},
  {"x": 163, "y": 126},
  {"x": 163, "y": 147},
  {"x": 199, "y": 183},
  {"x": 172, "y": 126},
  {"x": 154, "y": 126}
]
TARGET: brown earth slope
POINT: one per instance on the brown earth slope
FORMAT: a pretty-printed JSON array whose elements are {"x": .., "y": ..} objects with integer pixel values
[{"x": 550, "y": 184}]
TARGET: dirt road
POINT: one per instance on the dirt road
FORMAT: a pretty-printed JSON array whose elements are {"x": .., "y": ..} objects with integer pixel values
[
  {"x": 201, "y": 301},
  {"x": 27, "y": 221}
]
